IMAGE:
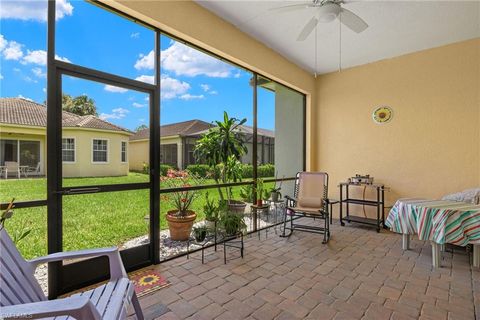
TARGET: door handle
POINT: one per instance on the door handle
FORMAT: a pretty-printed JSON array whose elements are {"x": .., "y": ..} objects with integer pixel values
[{"x": 80, "y": 190}]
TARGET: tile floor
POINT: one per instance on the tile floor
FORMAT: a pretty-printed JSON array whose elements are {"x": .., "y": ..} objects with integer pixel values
[{"x": 360, "y": 274}]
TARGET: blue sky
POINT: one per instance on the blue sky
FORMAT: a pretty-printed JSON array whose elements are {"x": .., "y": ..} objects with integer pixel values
[{"x": 194, "y": 85}]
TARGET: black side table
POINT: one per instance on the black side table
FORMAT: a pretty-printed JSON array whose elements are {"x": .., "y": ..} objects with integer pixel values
[
  {"x": 211, "y": 236},
  {"x": 232, "y": 241}
]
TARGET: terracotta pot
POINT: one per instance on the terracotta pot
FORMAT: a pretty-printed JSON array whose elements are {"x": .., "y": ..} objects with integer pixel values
[
  {"x": 236, "y": 206},
  {"x": 180, "y": 227},
  {"x": 259, "y": 202}
]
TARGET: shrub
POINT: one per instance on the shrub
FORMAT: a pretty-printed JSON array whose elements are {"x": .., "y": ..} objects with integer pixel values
[
  {"x": 266, "y": 170},
  {"x": 247, "y": 171},
  {"x": 200, "y": 170},
  {"x": 163, "y": 168}
]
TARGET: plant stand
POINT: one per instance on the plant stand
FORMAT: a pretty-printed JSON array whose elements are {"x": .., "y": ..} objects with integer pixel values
[
  {"x": 233, "y": 241},
  {"x": 203, "y": 244}
]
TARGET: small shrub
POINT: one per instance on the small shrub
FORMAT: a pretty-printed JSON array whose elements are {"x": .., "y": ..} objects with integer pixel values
[
  {"x": 164, "y": 169},
  {"x": 200, "y": 170}
]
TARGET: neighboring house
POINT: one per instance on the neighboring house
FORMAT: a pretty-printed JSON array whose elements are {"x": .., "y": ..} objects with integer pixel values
[
  {"x": 177, "y": 144},
  {"x": 90, "y": 146}
]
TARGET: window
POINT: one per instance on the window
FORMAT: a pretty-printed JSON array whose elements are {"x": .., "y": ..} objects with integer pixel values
[
  {"x": 68, "y": 150},
  {"x": 100, "y": 148},
  {"x": 124, "y": 151}
]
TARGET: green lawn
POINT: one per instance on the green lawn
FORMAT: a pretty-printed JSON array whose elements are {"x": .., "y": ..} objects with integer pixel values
[{"x": 89, "y": 220}]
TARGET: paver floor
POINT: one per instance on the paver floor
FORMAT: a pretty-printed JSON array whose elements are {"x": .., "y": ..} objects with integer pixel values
[{"x": 359, "y": 274}]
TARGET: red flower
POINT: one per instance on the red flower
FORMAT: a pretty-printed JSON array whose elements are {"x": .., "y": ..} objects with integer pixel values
[{"x": 183, "y": 200}]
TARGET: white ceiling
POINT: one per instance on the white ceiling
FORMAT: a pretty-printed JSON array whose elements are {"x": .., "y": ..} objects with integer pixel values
[{"x": 395, "y": 28}]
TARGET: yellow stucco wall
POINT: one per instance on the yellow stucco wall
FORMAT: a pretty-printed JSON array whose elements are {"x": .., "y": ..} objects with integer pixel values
[
  {"x": 139, "y": 154},
  {"x": 189, "y": 21},
  {"x": 432, "y": 145},
  {"x": 84, "y": 166},
  {"x": 139, "y": 151}
]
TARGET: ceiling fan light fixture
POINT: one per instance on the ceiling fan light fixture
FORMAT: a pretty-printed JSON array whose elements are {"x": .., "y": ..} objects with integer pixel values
[{"x": 328, "y": 12}]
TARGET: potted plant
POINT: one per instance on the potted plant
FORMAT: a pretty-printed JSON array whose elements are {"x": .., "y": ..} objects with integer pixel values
[
  {"x": 200, "y": 233},
  {"x": 275, "y": 194},
  {"x": 246, "y": 193},
  {"x": 210, "y": 209},
  {"x": 221, "y": 148},
  {"x": 180, "y": 219},
  {"x": 232, "y": 223},
  {"x": 260, "y": 190}
]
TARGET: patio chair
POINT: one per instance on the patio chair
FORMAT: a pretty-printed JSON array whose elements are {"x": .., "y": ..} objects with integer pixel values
[
  {"x": 12, "y": 167},
  {"x": 3, "y": 172},
  {"x": 309, "y": 201},
  {"x": 22, "y": 298},
  {"x": 33, "y": 170}
]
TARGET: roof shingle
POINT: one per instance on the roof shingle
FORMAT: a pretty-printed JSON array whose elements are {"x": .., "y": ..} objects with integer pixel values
[{"x": 28, "y": 113}]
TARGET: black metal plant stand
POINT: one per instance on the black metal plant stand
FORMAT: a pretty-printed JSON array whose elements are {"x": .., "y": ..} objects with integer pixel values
[{"x": 379, "y": 203}]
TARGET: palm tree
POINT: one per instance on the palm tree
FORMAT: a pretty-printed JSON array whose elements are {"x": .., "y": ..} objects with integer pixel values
[
  {"x": 222, "y": 147},
  {"x": 81, "y": 105}
]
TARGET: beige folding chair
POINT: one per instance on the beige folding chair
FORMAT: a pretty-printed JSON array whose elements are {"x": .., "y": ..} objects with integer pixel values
[{"x": 310, "y": 201}]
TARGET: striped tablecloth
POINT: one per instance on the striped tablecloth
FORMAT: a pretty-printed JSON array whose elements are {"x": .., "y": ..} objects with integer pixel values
[{"x": 437, "y": 220}]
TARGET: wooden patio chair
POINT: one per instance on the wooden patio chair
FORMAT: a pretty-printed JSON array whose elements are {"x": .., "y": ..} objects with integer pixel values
[
  {"x": 310, "y": 201},
  {"x": 22, "y": 298}
]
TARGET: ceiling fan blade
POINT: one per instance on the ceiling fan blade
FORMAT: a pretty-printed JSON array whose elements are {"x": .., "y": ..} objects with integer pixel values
[
  {"x": 352, "y": 21},
  {"x": 293, "y": 7},
  {"x": 307, "y": 29}
]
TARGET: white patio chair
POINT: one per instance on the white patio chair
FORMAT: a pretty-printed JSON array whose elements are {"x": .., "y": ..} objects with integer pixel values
[
  {"x": 12, "y": 166},
  {"x": 33, "y": 170},
  {"x": 4, "y": 172},
  {"x": 22, "y": 298}
]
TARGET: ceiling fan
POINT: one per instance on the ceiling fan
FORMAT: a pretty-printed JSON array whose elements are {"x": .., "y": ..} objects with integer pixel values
[{"x": 325, "y": 11}]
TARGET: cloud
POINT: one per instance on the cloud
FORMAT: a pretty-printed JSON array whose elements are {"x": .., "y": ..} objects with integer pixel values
[
  {"x": 12, "y": 50},
  {"x": 38, "y": 72},
  {"x": 206, "y": 88},
  {"x": 39, "y": 57},
  {"x": 117, "y": 113},
  {"x": 139, "y": 105},
  {"x": 183, "y": 60},
  {"x": 189, "y": 96},
  {"x": 33, "y": 9},
  {"x": 1, "y": 76},
  {"x": 3, "y": 42},
  {"x": 135, "y": 35},
  {"x": 146, "y": 62},
  {"x": 145, "y": 78},
  {"x": 22, "y": 97},
  {"x": 186, "y": 61},
  {"x": 44, "y": 90},
  {"x": 111, "y": 88},
  {"x": 173, "y": 88}
]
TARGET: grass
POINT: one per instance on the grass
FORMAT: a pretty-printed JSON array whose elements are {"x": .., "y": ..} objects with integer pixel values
[{"x": 89, "y": 220}]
